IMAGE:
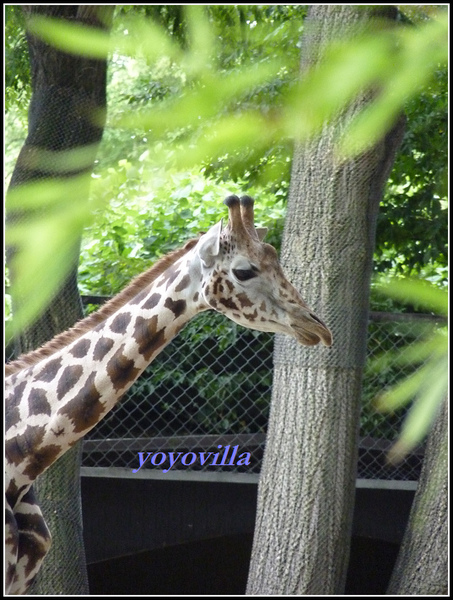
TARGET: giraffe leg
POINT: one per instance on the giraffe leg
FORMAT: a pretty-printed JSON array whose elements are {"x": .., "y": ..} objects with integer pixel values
[
  {"x": 33, "y": 542},
  {"x": 11, "y": 545}
]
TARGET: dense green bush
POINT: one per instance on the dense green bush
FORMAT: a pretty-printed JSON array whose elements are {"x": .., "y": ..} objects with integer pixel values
[{"x": 153, "y": 213}]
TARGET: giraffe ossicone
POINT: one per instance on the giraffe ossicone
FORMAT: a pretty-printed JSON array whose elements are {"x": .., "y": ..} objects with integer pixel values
[
  {"x": 247, "y": 283},
  {"x": 56, "y": 394}
]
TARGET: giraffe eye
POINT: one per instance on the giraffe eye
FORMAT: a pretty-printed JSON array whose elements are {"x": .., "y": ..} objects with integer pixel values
[{"x": 244, "y": 274}]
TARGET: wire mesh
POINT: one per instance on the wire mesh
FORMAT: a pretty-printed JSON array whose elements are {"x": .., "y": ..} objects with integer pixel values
[{"x": 203, "y": 403}]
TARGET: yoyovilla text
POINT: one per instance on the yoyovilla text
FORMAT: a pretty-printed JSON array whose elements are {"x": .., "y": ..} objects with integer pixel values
[{"x": 209, "y": 459}]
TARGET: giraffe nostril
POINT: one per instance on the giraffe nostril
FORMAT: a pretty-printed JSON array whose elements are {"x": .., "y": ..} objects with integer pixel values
[
  {"x": 309, "y": 329},
  {"x": 313, "y": 316}
]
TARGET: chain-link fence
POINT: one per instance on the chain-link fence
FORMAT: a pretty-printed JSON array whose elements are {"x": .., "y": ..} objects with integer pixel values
[{"x": 203, "y": 404}]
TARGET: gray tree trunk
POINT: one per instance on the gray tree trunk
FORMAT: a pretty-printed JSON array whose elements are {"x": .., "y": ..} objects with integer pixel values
[
  {"x": 66, "y": 90},
  {"x": 307, "y": 483},
  {"x": 422, "y": 565}
]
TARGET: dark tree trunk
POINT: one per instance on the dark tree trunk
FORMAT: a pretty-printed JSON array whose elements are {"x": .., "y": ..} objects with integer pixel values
[
  {"x": 307, "y": 483},
  {"x": 422, "y": 564},
  {"x": 66, "y": 92}
]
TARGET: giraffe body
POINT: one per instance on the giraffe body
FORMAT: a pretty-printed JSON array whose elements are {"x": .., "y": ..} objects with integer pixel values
[{"x": 56, "y": 395}]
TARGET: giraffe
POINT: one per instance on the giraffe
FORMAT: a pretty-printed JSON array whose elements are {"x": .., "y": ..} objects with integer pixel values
[{"x": 58, "y": 393}]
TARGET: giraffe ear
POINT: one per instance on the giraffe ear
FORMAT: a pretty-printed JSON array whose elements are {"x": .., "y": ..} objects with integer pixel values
[
  {"x": 261, "y": 232},
  {"x": 209, "y": 245}
]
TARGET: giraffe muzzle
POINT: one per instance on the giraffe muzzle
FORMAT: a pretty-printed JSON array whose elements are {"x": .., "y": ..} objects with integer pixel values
[{"x": 309, "y": 330}]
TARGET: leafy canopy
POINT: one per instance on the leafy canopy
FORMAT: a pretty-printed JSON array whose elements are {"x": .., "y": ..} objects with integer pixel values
[{"x": 218, "y": 88}]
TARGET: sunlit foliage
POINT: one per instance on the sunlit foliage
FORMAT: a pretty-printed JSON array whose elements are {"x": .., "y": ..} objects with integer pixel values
[{"x": 205, "y": 101}]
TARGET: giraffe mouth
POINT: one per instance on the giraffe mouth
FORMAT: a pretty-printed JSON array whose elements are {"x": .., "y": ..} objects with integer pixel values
[{"x": 309, "y": 330}]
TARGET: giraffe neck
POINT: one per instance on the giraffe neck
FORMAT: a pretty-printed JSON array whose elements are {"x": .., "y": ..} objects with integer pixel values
[{"x": 54, "y": 403}]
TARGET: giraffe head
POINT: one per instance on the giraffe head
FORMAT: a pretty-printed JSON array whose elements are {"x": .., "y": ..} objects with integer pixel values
[{"x": 243, "y": 279}]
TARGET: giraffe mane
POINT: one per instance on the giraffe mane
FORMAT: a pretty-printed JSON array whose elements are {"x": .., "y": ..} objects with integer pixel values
[{"x": 106, "y": 310}]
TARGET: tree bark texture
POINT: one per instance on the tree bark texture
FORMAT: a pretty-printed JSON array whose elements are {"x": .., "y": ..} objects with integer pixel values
[
  {"x": 66, "y": 90},
  {"x": 422, "y": 564},
  {"x": 307, "y": 484}
]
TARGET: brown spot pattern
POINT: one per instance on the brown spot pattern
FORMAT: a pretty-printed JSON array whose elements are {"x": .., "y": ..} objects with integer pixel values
[
  {"x": 176, "y": 306},
  {"x": 120, "y": 322},
  {"x": 21, "y": 446},
  {"x": 16, "y": 397},
  {"x": 41, "y": 459},
  {"x": 252, "y": 316},
  {"x": 13, "y": 450},
  {"x": 58, "y": 432},
  {"x": 50, "y": 370},
  {"x": 229, "y": 303},
  {"x": 68, "y": 379},
  {"x": 38, "y": 403},
  {"x": 85, "y": 409},
  {"x": 244, "y": 300},
  {"x": 13, "y": 492},
  {"x": 172, "y": 275},
  {"x": 13, "y": 377},
  {"x": 81, "y": 348},
  {"x": 12, "y": 414},
  {"x": 152, "y": 301},
  {"x": 103, "y": 347},
  {"x": 185, "y": 281},
  {"x": 219, "y": 284},
  {"x": 147, "y": 337},
  {"x": 35, "y": 545},
  {"x": 10, "y": 521},
  {"x": 32, "y": 522},
  {"x": 139, "y": 288},
  {"x": 121, "y": 369},
  {"x": 140, "y": 296}
]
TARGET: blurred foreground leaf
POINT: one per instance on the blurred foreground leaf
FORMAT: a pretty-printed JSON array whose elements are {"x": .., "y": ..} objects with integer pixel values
[
  {"x": 44, "y": 241},
  {"x": 409, "y": 59},
  {"x": 390, "y": 64},
  {"x": 416, "y": 291},
  {"x": 426, "y": 387},
  {"x": 218, "y": 113}
]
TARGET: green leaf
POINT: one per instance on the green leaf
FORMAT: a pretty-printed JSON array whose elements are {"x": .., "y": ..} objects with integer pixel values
[
  {"x": 210, "y": 97},
  {"x": 424, "y": 411},
  {"x": 201, "y": 39},
  {"x": 73, "y": 38},
  {"x": 411, "y": 62},
  {"x": 429, "y": 384},
  {"x": 45, "y": 240},
  {"x": 415, "y": 291},
  {"x": 401, "y": 394}
]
